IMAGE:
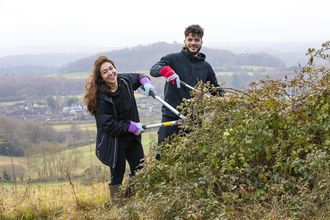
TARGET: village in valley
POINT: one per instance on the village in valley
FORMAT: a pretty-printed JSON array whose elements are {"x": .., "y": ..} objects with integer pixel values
[{"x": 40, "y": 111}]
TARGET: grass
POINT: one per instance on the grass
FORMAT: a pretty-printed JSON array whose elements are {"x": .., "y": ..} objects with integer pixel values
[
  {"x": 7, "y": 160},
  {"x": 11, "y": 103},
  {"x": 257, "y": 67},
  {"x": 75, "y": 75},
  {"x": 82, "y": 126},
  {"x": 83, "y": 75},
  {"x": 63, "y": 199},
  {"x": 57, "y": 202},
  {"x": 254, "y": 68},
  {"x": 223, "y": 73}
]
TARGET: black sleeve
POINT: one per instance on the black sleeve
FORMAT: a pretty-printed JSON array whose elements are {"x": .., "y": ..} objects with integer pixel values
[
  {"x": 134, "y": 79},
  {"x": 217, "y": 91},
  {"x": 106, "y": 120},
  {"x": 164, "y": 61}
]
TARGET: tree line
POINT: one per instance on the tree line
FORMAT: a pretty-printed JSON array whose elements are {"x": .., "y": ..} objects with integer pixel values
[
  {"x": 22, "y": 138},
  {"x": 21, "y": 88}
]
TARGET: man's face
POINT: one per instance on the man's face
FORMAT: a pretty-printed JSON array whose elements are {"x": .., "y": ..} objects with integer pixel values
[{"x": 193, "y": 44}]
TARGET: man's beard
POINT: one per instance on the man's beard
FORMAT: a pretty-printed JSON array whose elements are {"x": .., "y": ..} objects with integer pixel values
[{"x": 193, "y": 53}]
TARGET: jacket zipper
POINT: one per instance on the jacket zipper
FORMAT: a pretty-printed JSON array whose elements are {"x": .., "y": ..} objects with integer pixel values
[
  {"x": 114, "y": 155},
  {"x": 116, "y": 139},
  {"x": 98, "y": 146}
]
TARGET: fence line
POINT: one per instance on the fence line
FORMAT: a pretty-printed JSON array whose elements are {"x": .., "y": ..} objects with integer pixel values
[
  {"x": 44, "y": 162},
  {"x": 48, "y": 165}
]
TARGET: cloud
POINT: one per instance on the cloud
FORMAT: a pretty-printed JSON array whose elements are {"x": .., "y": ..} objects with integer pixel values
[{"x": 123, "y": 23}]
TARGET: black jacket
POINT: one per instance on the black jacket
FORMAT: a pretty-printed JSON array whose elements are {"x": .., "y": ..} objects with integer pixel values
[
  {"x": 190, "y": 70},
  {"x": 110, "y": 127}
]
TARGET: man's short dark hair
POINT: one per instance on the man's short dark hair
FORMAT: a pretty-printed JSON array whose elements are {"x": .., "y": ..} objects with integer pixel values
[{"x": 194, "y": 29}]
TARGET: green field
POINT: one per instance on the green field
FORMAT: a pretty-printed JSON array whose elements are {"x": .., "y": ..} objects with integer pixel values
[
  {"x": 149, "y": 138},
  {"x": 75, "y": 75},
  {"x": 83, "y": 75},
  {"x": 11, "y": 103},
  {"x": 254, "y": 68},
  {"x": 258, "y": 67},
  {"x": 82, "y": 126}
]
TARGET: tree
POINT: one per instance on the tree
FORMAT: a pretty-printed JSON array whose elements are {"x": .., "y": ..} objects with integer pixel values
[
  {"x": 9, "y": 172},
  {"x": 71, "y": 101},
  {"x": 6, "y": 175},
  {"x": 29, "y": 91},
  {"x": 235, "y": 81},
  {"x": 51, "y": 103}
]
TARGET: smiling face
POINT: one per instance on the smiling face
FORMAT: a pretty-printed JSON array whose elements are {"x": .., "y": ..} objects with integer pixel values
[
  {"x": 109, "y": 75},
  {"x": 193, "y": 43}
]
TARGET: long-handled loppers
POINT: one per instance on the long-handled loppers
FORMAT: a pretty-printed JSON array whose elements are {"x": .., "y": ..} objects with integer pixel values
[
  {"x": 169, "y": 123},
  {"x": 153, "y": 94}
]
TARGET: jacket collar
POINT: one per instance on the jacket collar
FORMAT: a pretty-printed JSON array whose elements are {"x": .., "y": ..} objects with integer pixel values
[
  {"x": 200, "y": 56},
  {"x": 109, "y": 99},
  {"x": 106, "y": 98}
]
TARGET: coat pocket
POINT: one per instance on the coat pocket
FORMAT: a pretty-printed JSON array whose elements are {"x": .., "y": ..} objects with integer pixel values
[{"x": 107, "y": 150}]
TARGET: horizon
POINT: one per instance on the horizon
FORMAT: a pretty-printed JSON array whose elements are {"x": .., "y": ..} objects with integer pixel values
[{"x": 252, "y": 46}]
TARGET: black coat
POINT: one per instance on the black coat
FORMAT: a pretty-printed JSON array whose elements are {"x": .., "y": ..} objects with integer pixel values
[
  {"x": 110, "y": 127},
  {"x": 190, "y": 70}
]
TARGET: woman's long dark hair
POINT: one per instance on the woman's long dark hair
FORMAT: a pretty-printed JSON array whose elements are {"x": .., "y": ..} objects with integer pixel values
[{"x": 95, "y": 85}]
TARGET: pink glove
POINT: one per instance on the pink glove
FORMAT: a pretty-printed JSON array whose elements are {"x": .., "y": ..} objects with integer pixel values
[
  {"x": 170, "y": 75},
  {"x": 135, "y": 128}
]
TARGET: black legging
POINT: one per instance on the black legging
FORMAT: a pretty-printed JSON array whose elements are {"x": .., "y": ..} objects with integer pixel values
[
  {"x": 167, "y": 131},
  {"x": 133, "y": 154}
]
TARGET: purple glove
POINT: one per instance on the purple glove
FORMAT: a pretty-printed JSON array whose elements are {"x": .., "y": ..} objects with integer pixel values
[
  {"x": 135, "y": 128},
  {"x": 148, "y": 86}
]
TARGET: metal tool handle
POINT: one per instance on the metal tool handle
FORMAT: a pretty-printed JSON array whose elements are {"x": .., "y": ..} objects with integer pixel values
[
  {"x": 169, "y": 123},
  {"x": 192, "y": 88},
  {"x": 153, "y": 94}
]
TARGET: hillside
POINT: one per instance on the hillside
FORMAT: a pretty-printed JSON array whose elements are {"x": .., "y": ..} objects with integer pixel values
[
  {"x": 42, "y": 59},
  {"x": 143, "y": 57},
  {"x": 128, "y": 59},
  {"x": 36, "y": 64}
]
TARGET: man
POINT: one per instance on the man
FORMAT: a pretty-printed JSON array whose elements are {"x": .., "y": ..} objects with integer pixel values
[{"x": 190, "y": 66}]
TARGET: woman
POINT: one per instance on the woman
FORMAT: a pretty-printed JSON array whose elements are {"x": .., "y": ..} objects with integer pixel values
[{"x": 110, "y": 98}]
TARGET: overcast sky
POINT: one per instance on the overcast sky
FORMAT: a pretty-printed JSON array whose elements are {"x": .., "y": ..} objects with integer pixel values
[{"x": 121, "y": 23}]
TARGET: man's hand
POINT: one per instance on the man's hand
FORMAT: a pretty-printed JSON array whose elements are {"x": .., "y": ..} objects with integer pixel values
[{"x": 170, "y": 75}]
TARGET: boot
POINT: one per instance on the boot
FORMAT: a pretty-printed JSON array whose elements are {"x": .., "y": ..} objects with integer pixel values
[{"x": 113, "y": 190}]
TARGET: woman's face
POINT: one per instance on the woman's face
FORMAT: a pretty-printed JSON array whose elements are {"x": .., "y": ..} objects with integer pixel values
[{"x": 109, "y": 74}]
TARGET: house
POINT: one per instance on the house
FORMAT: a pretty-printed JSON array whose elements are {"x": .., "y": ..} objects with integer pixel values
[
  {"x": 77, "y": 110},
  {"x": 40, "y": 105}
]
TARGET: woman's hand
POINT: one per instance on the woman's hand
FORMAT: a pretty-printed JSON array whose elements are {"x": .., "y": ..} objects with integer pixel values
[{"x": 135, "y": 128}]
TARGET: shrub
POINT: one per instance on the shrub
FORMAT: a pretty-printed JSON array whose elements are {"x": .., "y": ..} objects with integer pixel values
[
  {"x": 9, "y": 174},
  {"x": 266, "y": 146}
]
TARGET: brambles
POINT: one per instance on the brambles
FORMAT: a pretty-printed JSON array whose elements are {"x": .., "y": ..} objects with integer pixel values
[{"x": 267, "y": 144}]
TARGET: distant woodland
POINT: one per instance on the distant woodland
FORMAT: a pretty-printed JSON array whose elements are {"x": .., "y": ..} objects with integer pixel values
[
  {"x": 143, "y": 57},
  {"x": 22, "y": 88}
]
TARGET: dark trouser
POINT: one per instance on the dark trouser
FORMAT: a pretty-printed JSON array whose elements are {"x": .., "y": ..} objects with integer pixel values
[
  {"x": 167, "y": 131},
  {"x": 134, "y": 155}
]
